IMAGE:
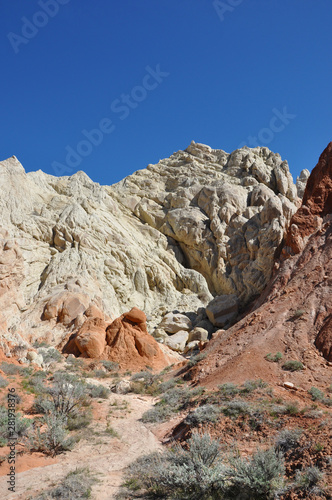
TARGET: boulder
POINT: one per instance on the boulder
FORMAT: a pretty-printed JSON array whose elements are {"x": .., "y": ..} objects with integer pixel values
[
  {"x": 174, "y": 322},
  {"x": 91, "y": 338},
  {"x": 177, "y": 342},
  {"x": 130, "y": 345},
  {"x": 223, "y": 310},
  {"x": 122, "y": 387},
  {"x": 198, "y": 334}
]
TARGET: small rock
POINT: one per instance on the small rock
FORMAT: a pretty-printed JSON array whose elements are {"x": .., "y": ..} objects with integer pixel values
[
  {"x": 174, "y": 322},
  {"x": 122, "y": 387},
  {"x": 223, "y": 309},
  {"x": 289, "y": 385},
  {"x": 178, "y": 341},
  {"x": 198, "y": 334}
]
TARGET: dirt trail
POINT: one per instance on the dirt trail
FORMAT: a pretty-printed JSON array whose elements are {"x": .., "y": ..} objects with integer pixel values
[{"x": 104, "y": 454}]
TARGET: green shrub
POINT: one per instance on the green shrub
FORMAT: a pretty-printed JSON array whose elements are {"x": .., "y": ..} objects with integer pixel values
[
  {"x": 316, "y": 394},
  {"x": 172, "y": 401},
  {"x": 64, "y": 397},
  {"x": 79, "y": 421},
  {"x": 10, "y": 368},
  {"x": 110, "y": 365},
  {"x": 236, "y": 408},
  {"x": 54, "y": 439},
  {"x": 3, "y": 382},
  {"x": 75, "y": 364},
  {"x": 157, "y": 414},
  {"x": 196, "y": 473},
  {"x": 75, "y": 486},
  {"x": 292, "y": 366},
  {"x": 22, "y": 425},
  {"x": 35, "y": 383},
  {"x": 292, "y": 408},
  {"x": 196, "y": 359},
  {"x": 251, "y": 385},
  {"x": 202, "y": 414},
  {"x": 98, "y": 391},
  {"x": 309, "y": 480},
  {"x": 228, "y": 389},
  {"x": 258, "y": 478},
  {"x": 274, "y": 358},
  {"x": 50, "y": 354},
  {"x": 288, "y": 439}
]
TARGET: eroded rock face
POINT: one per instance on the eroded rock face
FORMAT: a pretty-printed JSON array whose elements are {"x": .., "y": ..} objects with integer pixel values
[
  {"x": 170, "y": 237},
  {"x": 316, "y": 204},
  {"x": 125, "y": 341},
  {"x": 224, "y": 214},
  {"x": 293, "y": 315},
  {"x": 130, "y": 345}
]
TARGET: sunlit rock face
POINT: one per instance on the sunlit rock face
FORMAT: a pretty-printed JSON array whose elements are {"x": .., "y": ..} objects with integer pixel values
[{"x": 167, "y": 238}]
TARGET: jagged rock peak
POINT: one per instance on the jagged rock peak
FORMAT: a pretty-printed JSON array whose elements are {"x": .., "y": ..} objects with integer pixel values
[{"x": 167, "y": 238}]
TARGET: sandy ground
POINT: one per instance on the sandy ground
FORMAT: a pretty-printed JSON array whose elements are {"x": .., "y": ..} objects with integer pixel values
[{"x": 105, "y": 455}]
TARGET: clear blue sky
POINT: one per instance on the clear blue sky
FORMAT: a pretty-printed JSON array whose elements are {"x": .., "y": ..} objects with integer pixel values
[{"x": 224, "y": 73}]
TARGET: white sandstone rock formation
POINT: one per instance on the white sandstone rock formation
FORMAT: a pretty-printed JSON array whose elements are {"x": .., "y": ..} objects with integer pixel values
[{"x": 171, "y": 237}]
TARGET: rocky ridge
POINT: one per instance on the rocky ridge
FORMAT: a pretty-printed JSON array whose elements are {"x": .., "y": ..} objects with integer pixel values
[
  {"x": 293, "y": 314},
  {"x": 199, "y": 224}
]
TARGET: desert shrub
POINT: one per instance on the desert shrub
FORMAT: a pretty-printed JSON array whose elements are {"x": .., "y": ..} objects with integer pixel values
[
  {"x": 236, "y": 408},
  {"x": 110, "y": 365},
  {"x": 157, "y": 414},
  {"x": 288, "y": 439},
  {"x": 65, "y": 396},
  {"x": 172, "y": 401},
  {"x": 196, "y": 473},
  {"x": 144, "y": 375},
  {"x": 196, "y": 359},
  {"x": 75, "y": 364},
  {"x": 257, "y": 478},
  {"x": 3, "y": 382},
  {"x": 292, "y": 408},
  {"x": 316, "y": 394},
  {"x": 165, "y": 386},
  {"x": 76, "y": 485},
  {"x": 292, "y": 365},
  {"x": 49, "y": 354},
  {"x": 228, "y": 389},
  {"x": 179, "y": 397},
  {"x": 98, "y": 391},
  {"x": 251, "y": 385},
  {"x": 38, "y": 344},
  {"x": 298, "y": 313},
  {"x": 35, "y": 384},
  {"x": 202, "y": 414},
  {"x": 22, "y": 425},
  {"x": 145, "y": 382},
  {"x": 10, "y": 368},
  {"x": 54, "y": 439},
  {"x": 274, "y": 358},
  {"x": 276, "y": 410},
  {"x": 308, "y": 480},
  {"x": 79, "y": 421}
]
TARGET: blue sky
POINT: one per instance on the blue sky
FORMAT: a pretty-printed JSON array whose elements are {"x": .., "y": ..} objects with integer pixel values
[{"x": 148, "y": 76}]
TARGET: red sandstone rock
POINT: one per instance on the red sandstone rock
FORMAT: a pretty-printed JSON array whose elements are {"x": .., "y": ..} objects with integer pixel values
[
  {"x": 91, "y": 338},
  {"x": 316, "y": 203},
  {"x": 135, "y": 315},
  {"x": 125, "y": 341},
  {"x": 130, "y": 345}
]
